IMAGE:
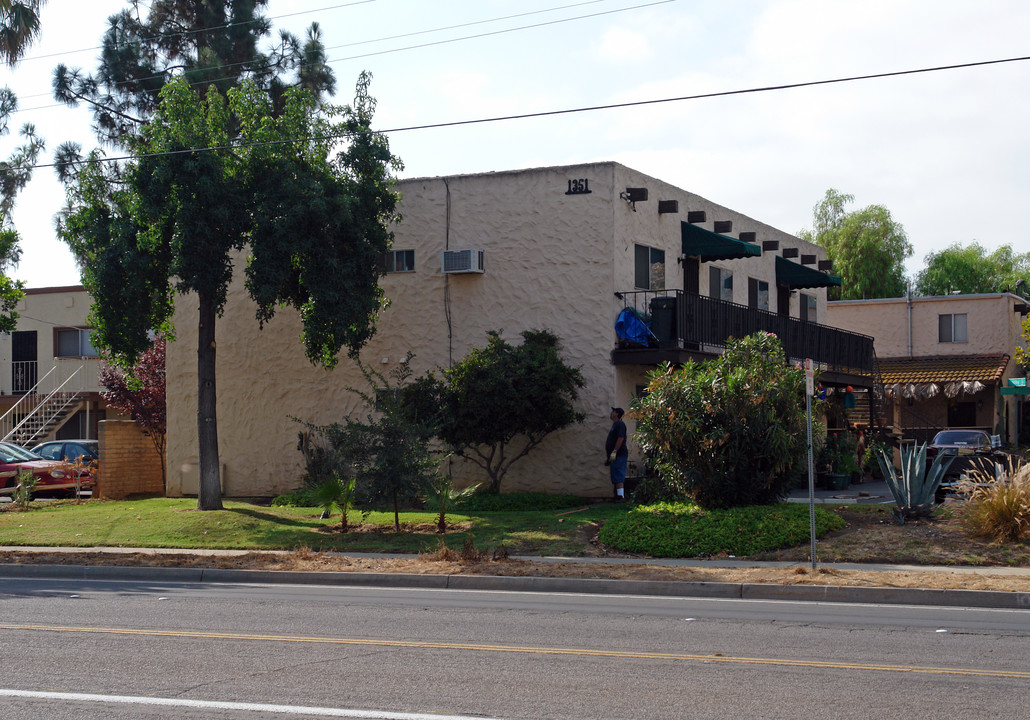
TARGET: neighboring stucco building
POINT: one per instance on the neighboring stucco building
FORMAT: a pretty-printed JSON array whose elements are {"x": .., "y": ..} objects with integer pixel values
[
  {"x": 561, "y": 248},
  {"x": 49, "y": 355},
  {"x": 944, "y": 361}
]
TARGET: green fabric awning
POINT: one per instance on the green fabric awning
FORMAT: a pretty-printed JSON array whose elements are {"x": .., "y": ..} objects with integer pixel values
[
  {"x": 698, "y": 242},
  {"x": 795, "y": 275}
]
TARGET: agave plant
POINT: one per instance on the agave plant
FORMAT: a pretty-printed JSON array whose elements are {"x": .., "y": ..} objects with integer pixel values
[{"x": 915, "y": 488}]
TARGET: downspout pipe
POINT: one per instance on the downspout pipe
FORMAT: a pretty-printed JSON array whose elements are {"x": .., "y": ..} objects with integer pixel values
[{"x": 909, "y": 294}]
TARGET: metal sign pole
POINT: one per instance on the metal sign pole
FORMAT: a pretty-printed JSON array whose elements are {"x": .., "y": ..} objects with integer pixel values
[{"x": 809, "y": 392}]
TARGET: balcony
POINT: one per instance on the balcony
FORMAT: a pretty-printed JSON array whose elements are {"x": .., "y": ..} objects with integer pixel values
[{"x": 682, "y": 326}]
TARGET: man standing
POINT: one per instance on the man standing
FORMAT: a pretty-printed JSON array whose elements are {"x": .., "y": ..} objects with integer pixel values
[{"x": 618, "y": 455}]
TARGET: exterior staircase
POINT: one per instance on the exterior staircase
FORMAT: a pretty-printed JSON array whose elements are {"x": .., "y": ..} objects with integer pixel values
[
  {"x": 41, "y": 411},
  {"x": 872, "y": 406}
]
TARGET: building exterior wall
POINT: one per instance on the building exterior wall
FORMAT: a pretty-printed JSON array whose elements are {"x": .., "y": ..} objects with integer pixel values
[
  {"x": 129, "y": 463},
  {"x": 45, "y": 312},
  {"x": 993, "y": 327},
  {"x": 908, "y": 327},
  {"x": 553, "y": 261}
]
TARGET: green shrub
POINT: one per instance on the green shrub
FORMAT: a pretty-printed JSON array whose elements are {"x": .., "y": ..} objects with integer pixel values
[
  {"x": 687, "y": 530},
  {"x": 726, "y": 432},
  {"x": 305, "y": 497},
  {"x": 23, "y": 491}
]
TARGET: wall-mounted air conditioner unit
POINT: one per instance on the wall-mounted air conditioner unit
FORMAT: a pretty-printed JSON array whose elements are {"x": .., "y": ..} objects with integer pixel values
[{"x": 462, "y": 261}]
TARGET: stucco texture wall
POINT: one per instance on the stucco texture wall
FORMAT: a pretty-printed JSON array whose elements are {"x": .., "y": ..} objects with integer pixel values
[
  {"x": 553, "y": 261},
  {"x": 548, "y": 265},
  {"x": 992, "y": 325}
]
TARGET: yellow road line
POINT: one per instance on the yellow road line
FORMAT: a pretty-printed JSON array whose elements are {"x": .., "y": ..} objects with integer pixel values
[{"x": 585, "y": 652}]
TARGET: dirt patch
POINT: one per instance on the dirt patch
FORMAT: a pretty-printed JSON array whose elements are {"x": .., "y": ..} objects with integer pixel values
[
  {"x": 452, "y": 564},
  {"x": 877, "y": 537}
]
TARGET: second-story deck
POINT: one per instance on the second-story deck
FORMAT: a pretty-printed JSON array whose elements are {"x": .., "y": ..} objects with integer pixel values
[{"x": 678, "y": 326}]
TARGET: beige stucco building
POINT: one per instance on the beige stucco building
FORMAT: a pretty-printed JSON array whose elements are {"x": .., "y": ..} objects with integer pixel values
[
  {"x": 945, "y": 361},
  {"x": 561, "y": 248},
  {"x": 49, "y": 359}
]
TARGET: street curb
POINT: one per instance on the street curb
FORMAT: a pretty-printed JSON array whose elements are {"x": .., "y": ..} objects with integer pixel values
[{"x": 992, "y": 599}]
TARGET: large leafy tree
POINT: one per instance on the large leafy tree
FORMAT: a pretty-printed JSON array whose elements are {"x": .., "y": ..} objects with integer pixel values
[
  {"x": 500, "y": 401},
  {"x": 726, "y": 432},
  {"x": 19, "y": 26},
  {"x": 208, "y": 43},
  {"x": 867, "y": 246},
  {"x": 970, "y": 269},
  {"x": 139, "y": 394},
  {"x": 212, "y": 176}
]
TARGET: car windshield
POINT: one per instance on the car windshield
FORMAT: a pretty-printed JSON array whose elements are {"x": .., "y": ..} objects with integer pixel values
[
  {"x": 14, "y": 454},
  {"x": 960, "y": 437}
]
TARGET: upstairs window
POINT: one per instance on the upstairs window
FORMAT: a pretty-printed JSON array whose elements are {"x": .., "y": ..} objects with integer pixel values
[
  {"x": 73, "y": 343},
  {"x": 720, "y": 284},
  {"x": 648, "y": 268},
  {"x": 951, "y": 328},
  {"x": 397, "y": 261},
  {"x": 808, "y": 313},
  {"x": 758, "y": 294}
]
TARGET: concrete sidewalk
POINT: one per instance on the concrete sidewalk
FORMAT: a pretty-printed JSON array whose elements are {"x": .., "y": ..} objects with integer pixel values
[
  {"x": 661, "y": 588},
  {"x": 869, "y": 492}
]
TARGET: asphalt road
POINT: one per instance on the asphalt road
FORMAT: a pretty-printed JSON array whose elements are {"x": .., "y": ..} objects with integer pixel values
[{"x": 118, "y": 649}]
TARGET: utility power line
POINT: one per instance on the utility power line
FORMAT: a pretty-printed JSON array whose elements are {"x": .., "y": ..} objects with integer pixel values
[
  {"x": 568, "y": 111},
  {"x": 376, "y": 40},
  {"x": 210, "y": 29}
]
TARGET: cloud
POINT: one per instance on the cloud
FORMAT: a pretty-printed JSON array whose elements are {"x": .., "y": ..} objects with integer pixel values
[{"x": 621, "y": 46}]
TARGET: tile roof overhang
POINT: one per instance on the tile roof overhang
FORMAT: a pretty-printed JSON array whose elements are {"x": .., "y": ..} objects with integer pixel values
[{"x": 925, "y": 377}]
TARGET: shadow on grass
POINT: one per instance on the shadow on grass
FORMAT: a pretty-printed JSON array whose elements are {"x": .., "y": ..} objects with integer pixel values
[{"x": 275, "y": 519}]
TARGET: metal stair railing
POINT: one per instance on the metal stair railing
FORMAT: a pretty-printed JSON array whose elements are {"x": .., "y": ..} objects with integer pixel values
[
  {"x": 878, "y": 397},
  {"x": 26, "y": 404},
  {"x": 45, "y": 413}
]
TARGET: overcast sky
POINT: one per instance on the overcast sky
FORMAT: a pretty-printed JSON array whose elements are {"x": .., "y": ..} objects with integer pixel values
[{"x": 947, "y": 152}]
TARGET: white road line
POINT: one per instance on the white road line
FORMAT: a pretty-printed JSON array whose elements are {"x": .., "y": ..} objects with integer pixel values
[{"x": 246, "y": 707}]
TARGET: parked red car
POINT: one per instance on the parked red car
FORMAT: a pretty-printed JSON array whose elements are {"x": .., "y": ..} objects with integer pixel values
[{"x": 50, "y": 475}]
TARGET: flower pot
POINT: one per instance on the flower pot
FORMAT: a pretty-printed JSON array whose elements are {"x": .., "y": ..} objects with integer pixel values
[{"x": 837, "y": 481}]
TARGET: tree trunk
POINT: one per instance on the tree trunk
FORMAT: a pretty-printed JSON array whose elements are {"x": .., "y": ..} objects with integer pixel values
[{"x": 209, "y": 496}]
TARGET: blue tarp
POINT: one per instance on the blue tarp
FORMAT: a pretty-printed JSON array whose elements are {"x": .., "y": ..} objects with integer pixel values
[{"x": 630, "y": 326}]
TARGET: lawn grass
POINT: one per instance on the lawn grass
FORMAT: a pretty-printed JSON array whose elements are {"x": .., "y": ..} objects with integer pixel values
[{"x": 176, "y": 523}]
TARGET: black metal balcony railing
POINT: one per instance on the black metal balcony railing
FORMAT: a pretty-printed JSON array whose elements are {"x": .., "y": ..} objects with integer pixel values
[{"x": 687, "y": 321}]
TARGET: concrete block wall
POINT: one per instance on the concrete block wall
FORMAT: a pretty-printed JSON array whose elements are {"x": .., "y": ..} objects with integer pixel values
[{"x": 129, "y": 463}]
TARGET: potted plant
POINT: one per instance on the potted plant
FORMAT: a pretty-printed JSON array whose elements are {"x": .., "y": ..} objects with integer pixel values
[{"x": 839, "y": 459}]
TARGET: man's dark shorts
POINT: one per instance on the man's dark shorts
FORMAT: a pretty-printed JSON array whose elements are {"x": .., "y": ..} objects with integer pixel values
[{"x": 618, "y": 469}]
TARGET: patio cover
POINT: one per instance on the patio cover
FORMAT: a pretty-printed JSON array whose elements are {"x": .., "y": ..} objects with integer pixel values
[
  {"x": 698, "y": 242},
  {"x": 926, "y": 377},
  {"x": 793, "y": 275}
]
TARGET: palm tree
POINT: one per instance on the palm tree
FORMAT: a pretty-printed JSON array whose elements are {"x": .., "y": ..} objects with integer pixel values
[{"x": 19, "y": 26}]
